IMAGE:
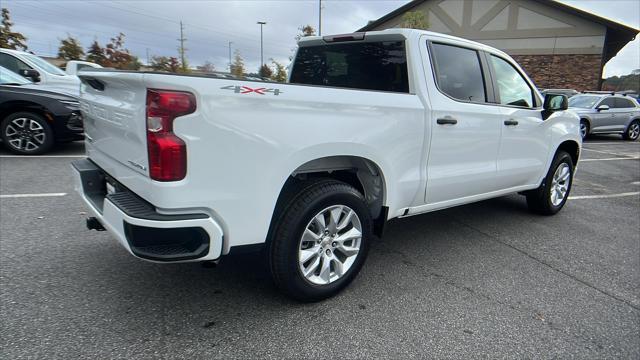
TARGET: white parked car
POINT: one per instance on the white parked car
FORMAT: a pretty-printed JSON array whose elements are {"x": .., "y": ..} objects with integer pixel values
[
  {"x": 74, "y": 66},
  {"x": 39, "y": 71},
  {"x": 372, "y": 126}
]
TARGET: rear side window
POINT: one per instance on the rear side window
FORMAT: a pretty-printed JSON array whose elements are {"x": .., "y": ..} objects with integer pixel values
[
  {"x": 458, "y": 72},
  {"x": 624, "y": 103},
  {"x": 367, "y": 65}
]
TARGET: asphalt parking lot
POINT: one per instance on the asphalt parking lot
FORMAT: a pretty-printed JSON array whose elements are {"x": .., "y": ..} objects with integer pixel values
[{"x": 483, "y": 280}]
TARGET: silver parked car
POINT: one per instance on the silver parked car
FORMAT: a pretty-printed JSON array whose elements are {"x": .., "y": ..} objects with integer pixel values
[{"x": 607, "y": 114}]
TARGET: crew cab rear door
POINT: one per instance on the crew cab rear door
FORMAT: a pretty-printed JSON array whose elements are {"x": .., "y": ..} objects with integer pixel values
[{"x": 465, "y": 127}]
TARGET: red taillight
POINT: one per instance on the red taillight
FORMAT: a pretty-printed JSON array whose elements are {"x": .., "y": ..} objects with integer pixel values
[{"x": 167, "y": 152}]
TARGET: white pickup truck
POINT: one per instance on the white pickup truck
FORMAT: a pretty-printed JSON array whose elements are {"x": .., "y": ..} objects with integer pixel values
[{"x": 371, "y": 126}]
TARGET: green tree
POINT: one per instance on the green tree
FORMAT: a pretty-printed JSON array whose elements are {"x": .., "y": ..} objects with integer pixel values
[
  {"x": 237, "y": 68},
  {"x": 165, "y": 63},
  {"x": 134, "y": 64},
  {"x": 70, "y": 49},
  {"x": 306, "y": 30},
  {"x": 96, "y": 54},
  {"x": 117, "y": 56},
  {"x": 415, "y": 20},
  {"x": 265, "y": 71},
  {"x": 10, "y": 39},
  {"x": 280, "y": 73}
]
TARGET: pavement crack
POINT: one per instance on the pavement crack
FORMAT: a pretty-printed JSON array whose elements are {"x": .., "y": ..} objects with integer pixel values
[{"x": 542, "y": 262}]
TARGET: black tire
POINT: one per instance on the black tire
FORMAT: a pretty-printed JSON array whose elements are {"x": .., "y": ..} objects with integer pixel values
[
  {"x": 312, "y": 198},
  {"x": 631, "y": 133},
  {"x": 539, "y": 200},
  {"x": 584, "y": 123},
  {"x": 31, "y": 142}
]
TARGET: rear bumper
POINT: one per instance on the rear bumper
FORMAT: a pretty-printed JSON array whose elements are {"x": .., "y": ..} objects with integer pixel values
[{"x": 140, "y": 228}]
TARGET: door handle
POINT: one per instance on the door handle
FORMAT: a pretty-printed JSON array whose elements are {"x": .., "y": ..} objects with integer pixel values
[
  {"x": 511, "y": 122},
  {"x": 447, "y": 120}
]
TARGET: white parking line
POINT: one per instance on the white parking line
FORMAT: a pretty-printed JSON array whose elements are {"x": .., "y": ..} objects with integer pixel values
[
  {"x": 9, "y": 196},
  {"x": 41, "y": 156},
  {"x": 608, "y": 152},
  {"x": 611, "y": 143},
  {"x": 603, "y": 196},
  {"x": 611, "y": 159}
]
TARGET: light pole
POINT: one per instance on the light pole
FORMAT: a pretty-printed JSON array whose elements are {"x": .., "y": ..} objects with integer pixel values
[
  {"x": 261, "y": 53},
  {"x": 319, "y": 17},
  {"x": 230, "y": 42}
]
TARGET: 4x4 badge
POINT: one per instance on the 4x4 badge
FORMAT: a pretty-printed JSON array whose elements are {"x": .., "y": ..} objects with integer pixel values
[{"x": 238, "y": 89}]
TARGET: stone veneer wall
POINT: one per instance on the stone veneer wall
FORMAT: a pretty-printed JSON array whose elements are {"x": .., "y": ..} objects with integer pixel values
[{"x": 579, "y": 72}]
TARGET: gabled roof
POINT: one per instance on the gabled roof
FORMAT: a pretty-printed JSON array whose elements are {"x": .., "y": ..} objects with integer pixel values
[{"x": 618, "y": 35}]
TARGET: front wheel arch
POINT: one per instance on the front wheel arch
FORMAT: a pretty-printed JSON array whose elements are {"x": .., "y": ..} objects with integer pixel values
[{"x": 571, "y": 147}]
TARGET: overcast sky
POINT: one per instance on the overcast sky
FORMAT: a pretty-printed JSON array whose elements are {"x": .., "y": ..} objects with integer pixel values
[{"x": 153, "y": 26}]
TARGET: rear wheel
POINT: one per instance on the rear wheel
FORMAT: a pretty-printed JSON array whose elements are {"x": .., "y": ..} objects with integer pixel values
[
  {"x": 321, "y": 240},
  {"x": 551, "y": 196},
  {"x": 584, "y": 128},
  {"x": 26, "y": 133},
  {"x": 633, "y": 131}
]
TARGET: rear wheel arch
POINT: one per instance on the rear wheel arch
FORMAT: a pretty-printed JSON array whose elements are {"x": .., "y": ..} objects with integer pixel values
[{"x": 361, "y": 173}]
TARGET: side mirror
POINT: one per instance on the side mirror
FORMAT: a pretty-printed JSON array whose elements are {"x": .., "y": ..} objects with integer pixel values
[
  {"x": 552, "y": 103},
  {"x": 602, "y": 107},
  {"x": 32, "y": 74}
]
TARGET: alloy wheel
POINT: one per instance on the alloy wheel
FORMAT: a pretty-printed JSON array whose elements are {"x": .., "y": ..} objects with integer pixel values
[
  {"x": 583, "y": 129},
  {"x": 330, "y": 244},
  {"x": 560, "y": 184},
  {"x": 634, "y": 131},
  {"x": 25, "y": 134}
]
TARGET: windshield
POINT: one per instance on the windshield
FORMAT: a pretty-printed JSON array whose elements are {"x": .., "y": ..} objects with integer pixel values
[
  {"x": 44, "y": 65},
  {"x": 583, "y": 101},
  {"x": 9, "y": 77}
]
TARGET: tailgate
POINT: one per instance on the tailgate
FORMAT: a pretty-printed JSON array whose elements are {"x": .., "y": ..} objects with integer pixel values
[{"x": 113, "y": 107}]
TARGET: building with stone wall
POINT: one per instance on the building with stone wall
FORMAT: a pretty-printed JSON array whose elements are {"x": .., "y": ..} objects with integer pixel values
[{"x": 559, "y": 46}]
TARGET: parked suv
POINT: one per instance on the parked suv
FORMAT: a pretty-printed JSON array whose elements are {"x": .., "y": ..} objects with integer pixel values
[{"x": 607, "y": 114}]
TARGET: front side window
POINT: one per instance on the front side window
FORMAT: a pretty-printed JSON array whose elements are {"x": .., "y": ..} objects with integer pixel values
[
  {"x": 610, "y": 102},
  {"x": 458, "y": 72},
  {"x": 357, "y": 65},
  {"x": 12, "y": 63},
  {"x": 46, "y": 66},
  {"x": 512, "y": 87},
  {"x": 10, "y": 77}
]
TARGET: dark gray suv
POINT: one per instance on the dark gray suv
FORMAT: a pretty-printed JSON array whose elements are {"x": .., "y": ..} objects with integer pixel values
[{"x": 607, "y": 114}]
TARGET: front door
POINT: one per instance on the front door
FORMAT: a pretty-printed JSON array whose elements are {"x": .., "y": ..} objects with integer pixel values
[
  {"x": 465, "y": 128},
  {"x": 525, "y": 139}
]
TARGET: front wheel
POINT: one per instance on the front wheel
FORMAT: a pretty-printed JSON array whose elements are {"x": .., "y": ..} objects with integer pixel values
[
  {"x": 321, "y": 240},
  {"x": 26, "y": 133},
  {"x": 551, "y": 196},
  {"x": 584, "y": 129},
  {"x": 633, "y": 131}
]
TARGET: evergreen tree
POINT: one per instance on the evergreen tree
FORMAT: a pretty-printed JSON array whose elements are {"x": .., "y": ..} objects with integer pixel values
[
  {"x": 70, "y": 49},
  {"x": 96, "y": 54},
  {"x": 10, "y": 39},
  {"x": 237, "y": 68}
]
